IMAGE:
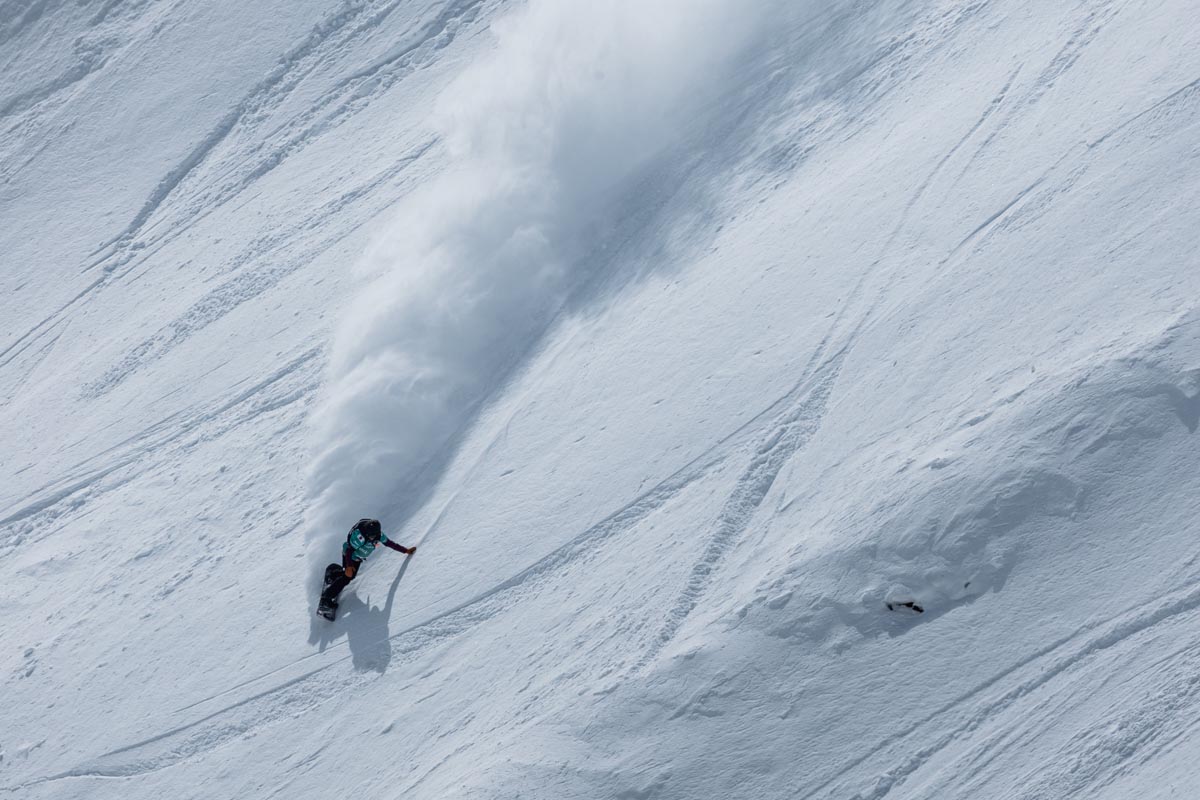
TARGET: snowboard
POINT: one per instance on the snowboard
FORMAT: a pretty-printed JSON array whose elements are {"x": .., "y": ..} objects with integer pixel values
[{"x": 327, "y": 606}]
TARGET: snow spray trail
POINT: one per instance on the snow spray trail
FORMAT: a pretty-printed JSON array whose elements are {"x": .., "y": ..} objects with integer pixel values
[{"x": 544, "y": 134}]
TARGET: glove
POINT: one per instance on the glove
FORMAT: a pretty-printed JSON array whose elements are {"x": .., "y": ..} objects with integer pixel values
[
  {"x": 349, "y": 572},
  {"x": 412, "y": 549}
]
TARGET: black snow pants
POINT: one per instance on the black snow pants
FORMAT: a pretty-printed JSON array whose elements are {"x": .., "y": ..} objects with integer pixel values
[{"x": 336, "y": 578}]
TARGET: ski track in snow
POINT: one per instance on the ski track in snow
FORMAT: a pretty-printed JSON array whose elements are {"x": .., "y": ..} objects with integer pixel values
[
  {"x": 990, "y": 699},
  {"x": 1010, "y": 686},
  {"x": 295, "y": 381},
  {"x": 803, "y": 409},
  {"x": 233, "y": 158},
  {"x": 256, "y": 110},
  {"x": 306, "y": 691},
  {"x": 106, "y": 38},
  {"x": 775, "y": 435},
  {"x": 788, "y": 436},
  {"x": 274, "y": 257}
]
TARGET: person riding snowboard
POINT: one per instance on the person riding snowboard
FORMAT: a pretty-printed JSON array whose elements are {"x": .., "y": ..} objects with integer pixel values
[{"x": 360, "y": 543}]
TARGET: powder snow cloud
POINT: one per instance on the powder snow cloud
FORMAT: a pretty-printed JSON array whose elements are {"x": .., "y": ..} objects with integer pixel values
[{"x": 574, "y": 100}]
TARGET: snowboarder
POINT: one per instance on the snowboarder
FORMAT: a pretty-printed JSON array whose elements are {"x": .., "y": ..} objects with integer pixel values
[{"x": 362, "y": 540}]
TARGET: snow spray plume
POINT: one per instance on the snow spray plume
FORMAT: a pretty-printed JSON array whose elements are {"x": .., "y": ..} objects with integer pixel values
[{"x": 576, "y": 97}]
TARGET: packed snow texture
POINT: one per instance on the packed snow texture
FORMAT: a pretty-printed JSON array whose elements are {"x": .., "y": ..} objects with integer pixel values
[{"x": 697, "y": 344}]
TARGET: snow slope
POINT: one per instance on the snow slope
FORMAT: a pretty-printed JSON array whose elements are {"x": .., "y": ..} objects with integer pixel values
[{"x": 682, "y": 337}]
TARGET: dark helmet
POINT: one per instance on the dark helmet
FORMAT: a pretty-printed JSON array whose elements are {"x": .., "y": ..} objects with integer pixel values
[{"x": 370, "y": 529}]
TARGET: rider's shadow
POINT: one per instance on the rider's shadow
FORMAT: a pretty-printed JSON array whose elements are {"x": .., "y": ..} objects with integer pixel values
[{"x": 366, "y": 627}]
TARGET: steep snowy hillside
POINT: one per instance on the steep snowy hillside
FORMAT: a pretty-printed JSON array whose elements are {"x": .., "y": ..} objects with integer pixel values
[{"x": 696, "y": 344}]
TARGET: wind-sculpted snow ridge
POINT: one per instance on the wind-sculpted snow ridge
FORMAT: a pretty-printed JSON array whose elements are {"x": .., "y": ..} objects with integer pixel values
[
  {"x": 545, "y": 136},
  {"x": 1080, "y": 427}
]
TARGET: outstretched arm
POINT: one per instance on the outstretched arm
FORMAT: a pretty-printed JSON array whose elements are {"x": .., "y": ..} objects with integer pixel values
[{"x": 408, "y": 551}]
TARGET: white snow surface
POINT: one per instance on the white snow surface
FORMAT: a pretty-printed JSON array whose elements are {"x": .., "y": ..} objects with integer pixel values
[{"x": 682, "y": 336}]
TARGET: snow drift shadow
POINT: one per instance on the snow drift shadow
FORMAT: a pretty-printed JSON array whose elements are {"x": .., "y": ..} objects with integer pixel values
[{"x": 544, "y": 136}]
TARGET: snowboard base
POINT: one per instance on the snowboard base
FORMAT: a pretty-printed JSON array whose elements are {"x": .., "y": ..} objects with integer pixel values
[{"x": 327, "y": 606}]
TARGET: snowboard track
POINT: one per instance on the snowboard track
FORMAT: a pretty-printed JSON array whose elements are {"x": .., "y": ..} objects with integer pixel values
[
  {"x": 293, "y": 382},
  {"x": 1014, "y": 683},
  {"x": 1047, "y": 664},
  {"x": 792, "y": 432},
  {"x": 227, "y": 162},
  {"x": 797, "y": 414}
]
